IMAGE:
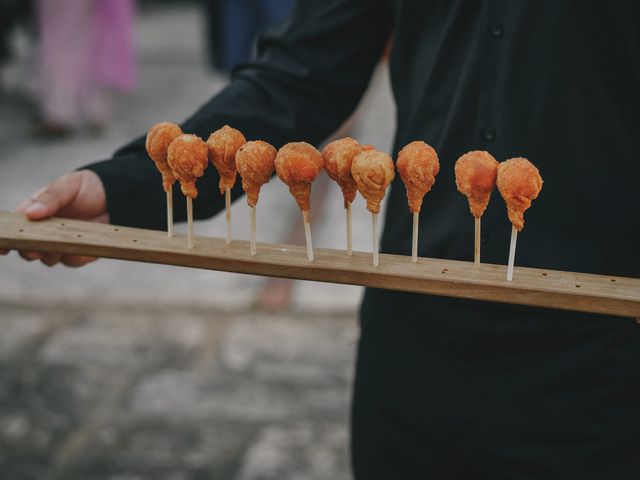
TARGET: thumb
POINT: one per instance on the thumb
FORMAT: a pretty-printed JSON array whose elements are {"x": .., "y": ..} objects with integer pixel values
[{"x": 51, "y": 198}]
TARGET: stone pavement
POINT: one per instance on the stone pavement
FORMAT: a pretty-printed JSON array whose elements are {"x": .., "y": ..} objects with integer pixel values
[{"x": 131, "y": 371}]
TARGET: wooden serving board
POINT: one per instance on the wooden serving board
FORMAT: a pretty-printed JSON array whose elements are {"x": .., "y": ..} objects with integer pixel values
[{"x": 541, "y": 288}]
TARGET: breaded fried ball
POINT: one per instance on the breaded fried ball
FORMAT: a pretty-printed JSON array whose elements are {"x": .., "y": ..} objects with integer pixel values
[
  {"x": 188, "y": 158},
  {"x": 418, "y": 166},
  {"x": 157, "y": 143},
  {"x": 519, "y": 182},
  {"x": 373, "y": 171},
  {"x": 476, "y": 174},
  {"x": 297, "y": 165},
  {"x": 255, "y": 162},
  {"x": 223, "y": 145}
]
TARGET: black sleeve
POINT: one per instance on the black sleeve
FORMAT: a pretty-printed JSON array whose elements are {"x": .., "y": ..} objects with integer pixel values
[{"x": 308, "y": 76}]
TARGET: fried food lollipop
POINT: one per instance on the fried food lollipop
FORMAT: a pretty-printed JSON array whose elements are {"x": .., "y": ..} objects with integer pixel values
[
  {"x": 223, "y": 145},
  {"x": 338, "y": 157},
  {"x": 188, "y": 157},
  {"x": 297, "y": 165},
  {"x": 255, "y": 162},
  {"x": 418, "y": 166},
  {"x": 519, "y": 182},
  {"x": 475, "y": 178},
  {"x": 158, "y": 140},
  {"x": 373, "y": 171}
]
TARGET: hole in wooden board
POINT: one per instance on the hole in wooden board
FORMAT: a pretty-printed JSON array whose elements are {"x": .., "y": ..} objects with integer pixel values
[
  {"x": 444, "y": 270},
  {"x": 578, "y": 286},
  {"x": 134, "y": 240},
  {"x": 78, "y": 235},
  {"x": 21, "y": 230},
  {"x": 62, "y": 224},
  {"x": 612, "y": 280},
  {"x": 544, "y": 274},
  {"x": 116, "y": 229}
]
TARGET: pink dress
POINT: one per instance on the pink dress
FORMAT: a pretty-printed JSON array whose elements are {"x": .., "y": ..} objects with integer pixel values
[{"x": 86, "y": 46}]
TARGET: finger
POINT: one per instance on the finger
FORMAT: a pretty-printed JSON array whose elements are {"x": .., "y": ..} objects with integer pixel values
[
  {"x": 22, "y": 206},
  {"x": 51, "y": 198},
  {"x": 51, "y": 259},
  {"x": 76, "y": 260},
  {"x": 31, "y": 256}
]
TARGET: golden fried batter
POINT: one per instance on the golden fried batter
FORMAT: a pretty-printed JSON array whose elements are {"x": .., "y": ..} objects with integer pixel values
[
  {"x": 338, "y": 157},
  {"x": 223, "y": 145},
  {"x": 475, "y": 177},
  {"x": 519, "y": 182},
  {"x": 373, "y": 171},
  {"x": 255, "y": 162},
  {"x": 188, "y": 158},
  {"x": 297, "y": 165},
  {"x": 418, "y": 166},
  {"x": 158, "y": 140}
]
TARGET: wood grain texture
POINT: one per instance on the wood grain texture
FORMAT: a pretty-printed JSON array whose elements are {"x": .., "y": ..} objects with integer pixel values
[{"x": 542, "y": 288}]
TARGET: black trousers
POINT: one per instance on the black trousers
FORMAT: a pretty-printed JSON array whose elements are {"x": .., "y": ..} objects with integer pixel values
[{"x": 455, "y": 389}]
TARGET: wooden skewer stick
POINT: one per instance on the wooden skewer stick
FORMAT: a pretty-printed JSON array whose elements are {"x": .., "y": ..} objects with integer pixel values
[
  {"x": 189, "y": 223},
  {"x": 349, "y": 231},
  {"x": 170, "y": 211},
  {"x": 414, "y": 243},
  {"x": 227, "y": 202},
  {"x": 307, "y": 234},
  {"x": 512, "y": 253},
  {"x": 374, "y": 229},
  {"x": 476, "y": 244},
  {"x": 253, "y": 231}
]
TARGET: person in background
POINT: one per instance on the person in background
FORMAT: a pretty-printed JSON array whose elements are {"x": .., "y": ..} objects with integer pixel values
[
  {"x": 235, "y": 24},
  {"x": 85, "y": 48},
  {"x": 12, "y": 13}
]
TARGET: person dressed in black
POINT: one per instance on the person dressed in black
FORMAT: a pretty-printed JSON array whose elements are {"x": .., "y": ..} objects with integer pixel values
[{"x": 449, "y": 388}]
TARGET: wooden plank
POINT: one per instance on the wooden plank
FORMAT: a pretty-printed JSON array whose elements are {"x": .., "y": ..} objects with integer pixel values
[{"x": 542, "y": 288}]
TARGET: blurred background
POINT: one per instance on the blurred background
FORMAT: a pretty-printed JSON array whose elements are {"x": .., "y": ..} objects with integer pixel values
[{"x": 129, "y": 371}]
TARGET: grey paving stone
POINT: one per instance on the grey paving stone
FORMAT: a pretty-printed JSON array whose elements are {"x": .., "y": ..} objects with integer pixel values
[
  {"x": 19, "y": 327},
  {"x": 40, "y": 405},
  {"x": 191, "y": 396},
  {"x": 167, "y": 450},
  {"x": 303, "y": 451},
  {"x": 305, "y": 350},
  {"x": 125, "y": 338}
]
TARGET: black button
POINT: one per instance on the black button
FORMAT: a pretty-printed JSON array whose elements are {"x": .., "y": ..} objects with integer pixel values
[
  {"x": 497, "y": 30},
  {"x": 489, "y": 133}
]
